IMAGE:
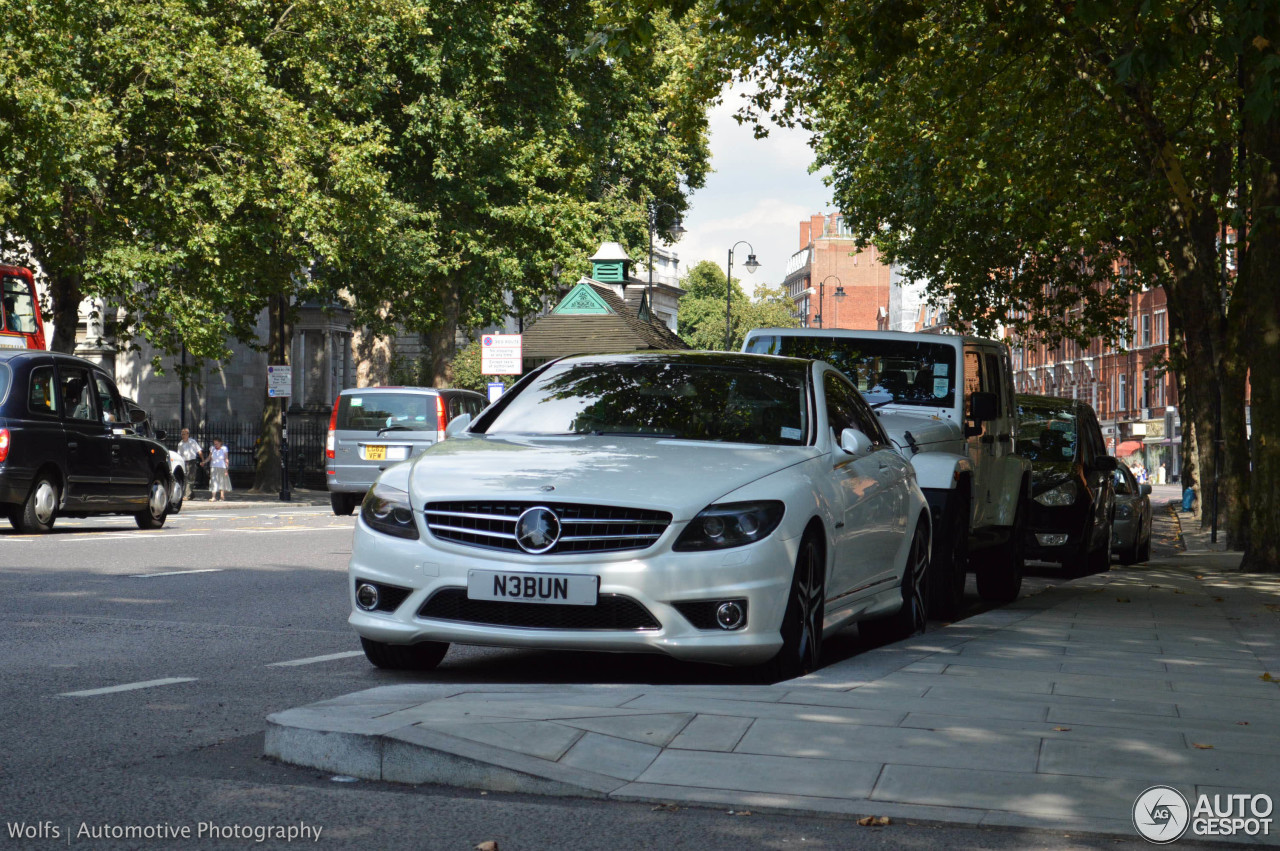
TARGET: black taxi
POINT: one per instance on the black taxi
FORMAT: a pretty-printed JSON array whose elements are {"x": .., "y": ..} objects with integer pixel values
[{"x": 69, "y": 446}]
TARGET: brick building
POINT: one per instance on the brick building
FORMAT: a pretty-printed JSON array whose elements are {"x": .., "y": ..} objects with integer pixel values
[
  {"x": 833, "y": 284},
  {"x": 1136, "y": 401}
]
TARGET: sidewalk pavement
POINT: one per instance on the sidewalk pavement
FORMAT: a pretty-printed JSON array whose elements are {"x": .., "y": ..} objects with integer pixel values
[
  {"x": 1053, "y": 712},
  {"x": 199, "y": 499}
]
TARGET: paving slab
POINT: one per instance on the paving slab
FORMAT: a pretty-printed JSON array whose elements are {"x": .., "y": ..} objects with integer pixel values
[{"x": 1052, "y": 713}]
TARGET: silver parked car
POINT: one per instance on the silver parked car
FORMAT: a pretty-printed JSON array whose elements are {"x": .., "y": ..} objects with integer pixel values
[
  {"x": 1131, "y": 532},
  {"x": 373, "y": 427}
]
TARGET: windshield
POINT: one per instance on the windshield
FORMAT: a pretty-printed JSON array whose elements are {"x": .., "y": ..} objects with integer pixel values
[
  {"x": 736, "y": 400},
  {"x": 378, "y": 410},
  {"x": 903, "y": 371},
  {"x": 1047, "y": 432}
]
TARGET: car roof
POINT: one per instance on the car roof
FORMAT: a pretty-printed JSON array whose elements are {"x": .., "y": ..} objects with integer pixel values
[
  {"x": 919, "y": 336},
  {"x": 32, "y": 354},
  {"x": 688, "y": 356},
  {"x": 401, "y": 388}
]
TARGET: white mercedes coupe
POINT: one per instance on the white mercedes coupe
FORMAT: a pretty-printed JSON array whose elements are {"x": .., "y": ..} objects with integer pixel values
[{"x": 718, "y": 507}]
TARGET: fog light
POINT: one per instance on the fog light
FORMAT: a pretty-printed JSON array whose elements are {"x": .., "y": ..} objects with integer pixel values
[
  {"x": 367, "y": 597},
  {"x": 1050, "y": 539},
  {"x": 730, "y": 615}
]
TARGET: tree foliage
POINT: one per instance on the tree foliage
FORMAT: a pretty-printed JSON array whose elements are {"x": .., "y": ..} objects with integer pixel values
[{"x": 701, "y": 321}]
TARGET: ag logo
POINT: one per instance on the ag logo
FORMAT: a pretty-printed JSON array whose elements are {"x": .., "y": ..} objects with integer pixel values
[{"x": 1161, "y": 814}]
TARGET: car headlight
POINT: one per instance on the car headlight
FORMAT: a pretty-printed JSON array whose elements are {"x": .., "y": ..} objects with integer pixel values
[
  {"x": 1124, "y": 511},
  {"x": 387, "y": 509},
  {"x": 1063, "y": 494},
  {"x": 730, "y": 524}
]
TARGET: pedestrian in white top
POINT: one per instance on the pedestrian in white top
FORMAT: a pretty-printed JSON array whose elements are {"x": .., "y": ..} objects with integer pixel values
[
  {"x": 220, "y": 479},
  {"x": 189, "y": 450}
]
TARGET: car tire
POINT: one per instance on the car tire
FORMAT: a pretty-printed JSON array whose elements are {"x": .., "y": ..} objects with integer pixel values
[
  {"x": 1001, "y": 580},
  {"x": 36, "y": 515},
  {"x": 949, "y": 563},
  {"x": 912, "y": 618},
  {"x": 801, "y": 629},
  {"x": 1100, "y": 558},
  {"x": 342, "y": 503},
  {"x": 157, "y": 510},
  {"x": 177, "y": 493},
  {"x": 423, "y": 656},
  {"x": 1144, "y": 551}
]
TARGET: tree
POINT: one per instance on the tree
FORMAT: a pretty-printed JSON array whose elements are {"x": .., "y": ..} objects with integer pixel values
[
  {"x": 701, "y": 321},
  {"x": 1016, "y": 154},
  {"x": 514, "y": 153}
]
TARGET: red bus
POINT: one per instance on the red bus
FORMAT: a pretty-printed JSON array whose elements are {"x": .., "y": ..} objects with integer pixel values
[{"x": 20, "y": 323}]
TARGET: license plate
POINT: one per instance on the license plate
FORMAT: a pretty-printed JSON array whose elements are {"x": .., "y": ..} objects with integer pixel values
[
  {"x": 564, "y": 588},
  {"x": 375, "y": 453}
]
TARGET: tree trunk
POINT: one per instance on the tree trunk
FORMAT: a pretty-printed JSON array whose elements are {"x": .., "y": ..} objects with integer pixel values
[
  {"x": 66, "y": 292},
  {"x": 266, "y": 456},
  {"x": 1261, "y": 298},
  {"x": 441, "y": 342}
]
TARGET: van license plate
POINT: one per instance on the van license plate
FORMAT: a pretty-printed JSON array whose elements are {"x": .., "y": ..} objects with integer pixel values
[
  {"x": 571, "y": 589},
  {"x": 375, "y": 453}
]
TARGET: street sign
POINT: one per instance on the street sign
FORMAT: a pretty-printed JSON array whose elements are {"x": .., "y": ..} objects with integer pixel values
[
  {"x": 279, "y": 381},
  {"x": 500, "y": 354},
  {"x": 495, "y": 390}
]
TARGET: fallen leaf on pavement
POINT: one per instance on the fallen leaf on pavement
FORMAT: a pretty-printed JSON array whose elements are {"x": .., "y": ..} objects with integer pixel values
[
  {"x": 1199, "y": 577},
  {"x": 874, "y": 821},
  {"x": 666, "y": 808},
  {"x": 487, "y": 845},
  {"x": 1267, "y": 678},
  {"x": 1061, "y": 729},
  {"x": 1218, "y": 600},
  {"x": 1243, "y": 723},
  {"x": 1199, "y": 746},
  {"x": 1123, "y": 600}
]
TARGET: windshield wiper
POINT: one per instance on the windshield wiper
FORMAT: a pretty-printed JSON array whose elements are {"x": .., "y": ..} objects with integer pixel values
[
  {"x": 393, "y": 428},
  {"x": 661, "y": 434}
]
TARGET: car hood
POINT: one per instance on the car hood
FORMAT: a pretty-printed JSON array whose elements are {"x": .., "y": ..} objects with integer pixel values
[
  {"x": 926, "y": 429},
  {"x": 680, "y": 476}
]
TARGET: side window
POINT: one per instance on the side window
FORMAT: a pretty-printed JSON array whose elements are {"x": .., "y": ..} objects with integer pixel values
[
  {"x": 77, "y": 395},
  {"x": 454, "y": 408},
  {"x": 110, "y": 408},
  {"x": 991, "y": 376},
  {"x": 42, "y": 397},
  {"x": 474, "y": 407},
  {"x": 973, "y": 377},
  {"x": 840, "y": 408}
]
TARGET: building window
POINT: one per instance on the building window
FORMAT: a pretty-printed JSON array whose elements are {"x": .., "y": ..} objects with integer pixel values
[
  {"x": 1160, "y": 328},
  {"x": 1122, "y": 395},
  {"x": 1146, "y": 329}
]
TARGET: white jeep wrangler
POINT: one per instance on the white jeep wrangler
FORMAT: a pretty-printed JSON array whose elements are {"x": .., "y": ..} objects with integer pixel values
[{"x": 948, "y": 402}]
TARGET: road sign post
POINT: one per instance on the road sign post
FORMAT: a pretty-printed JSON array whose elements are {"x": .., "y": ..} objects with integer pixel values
[
  {"x": 280, "y": 386},
  {"x": 500, "y": 354}
]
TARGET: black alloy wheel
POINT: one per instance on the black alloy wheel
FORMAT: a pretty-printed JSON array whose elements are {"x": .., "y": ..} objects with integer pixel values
[
  {"x": 949, "y": 565},
  {"x": 913, "y": 617},
  {"x": 423, "y": 656},
  {"x": 801, "y": 651}
]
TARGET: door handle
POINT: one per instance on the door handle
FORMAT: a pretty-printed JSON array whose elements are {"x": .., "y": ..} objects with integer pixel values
[{"x": 71, "y": 444}]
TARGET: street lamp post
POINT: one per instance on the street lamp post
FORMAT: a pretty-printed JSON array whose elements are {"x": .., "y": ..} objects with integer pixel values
[
  {"x": 751, "y": 265},
  {"x": 822, "y": 299},
  {"x": 839, "y": 296},
  {"x": 674, "y": 232}
]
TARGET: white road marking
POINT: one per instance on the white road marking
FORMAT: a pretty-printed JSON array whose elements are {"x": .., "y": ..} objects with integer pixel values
[
  {"x": 175, "y": 573},
  {"x": 331, "y": 657},
  {"x": 168, "y": 681}
]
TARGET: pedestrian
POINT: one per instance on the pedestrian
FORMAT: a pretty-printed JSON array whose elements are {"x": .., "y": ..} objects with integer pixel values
[
  {"x": 219, "y": 478},
  {"x": 190, "y": 450},
  {"x": 1161, "y": 474}
]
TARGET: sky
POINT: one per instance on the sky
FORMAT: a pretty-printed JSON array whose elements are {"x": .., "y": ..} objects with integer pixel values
[{"x": 759, "y": 191}]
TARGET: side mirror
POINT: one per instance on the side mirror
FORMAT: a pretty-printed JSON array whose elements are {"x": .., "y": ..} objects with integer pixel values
[
  {"x": 855, "y": 442},
  {"x": 160, "y": 433},
  {"x": 1145, "y": 490},
  {"x": 137, "y": 415},
  {"x": 983, "y": 407},
  {"x": 457, "y": 425},
  {"x": 1106, "y": 463}
]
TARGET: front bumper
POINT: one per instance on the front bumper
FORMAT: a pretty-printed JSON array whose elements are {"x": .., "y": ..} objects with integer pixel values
[
  {"x": 655, "y": 578},
  {"x": 1065, "y": 523}
]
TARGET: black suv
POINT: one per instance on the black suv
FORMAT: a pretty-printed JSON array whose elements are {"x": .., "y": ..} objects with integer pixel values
[
  {"x": 69, "y": 447},
  {"x": 1073, "y": 500}
]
